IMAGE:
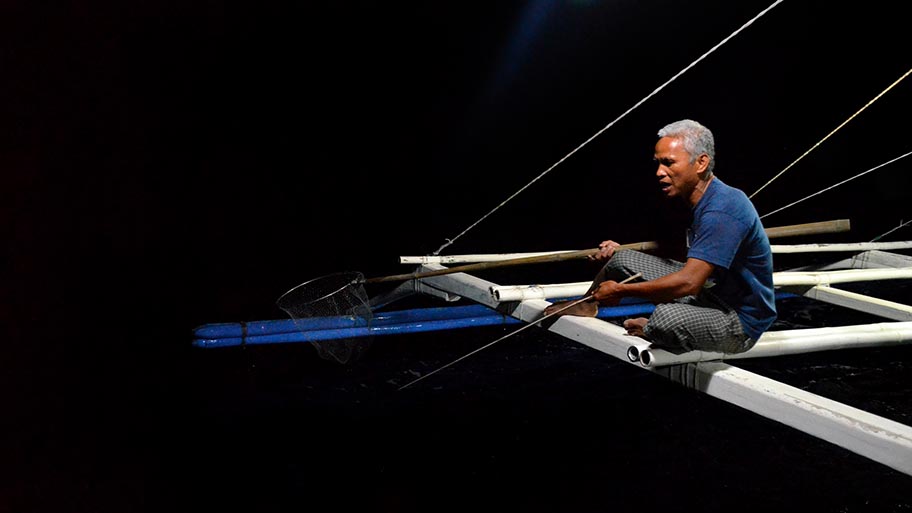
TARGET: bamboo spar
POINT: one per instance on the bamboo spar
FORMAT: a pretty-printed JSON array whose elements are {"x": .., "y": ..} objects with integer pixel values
[
  {"x": 554, "y": 257},
  {"x": 838, "y": 225}
]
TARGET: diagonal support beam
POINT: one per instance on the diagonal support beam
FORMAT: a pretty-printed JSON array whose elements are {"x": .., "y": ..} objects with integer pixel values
[{"x": 874, "y": 437}]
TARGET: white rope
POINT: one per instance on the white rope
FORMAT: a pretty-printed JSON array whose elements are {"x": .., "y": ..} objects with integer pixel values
[
  {"x": 882, "y": 235},
  {"x": 587, "y": 141},
  {"x": 837, "y": 185},
  {"x": 818, "y": 143}
]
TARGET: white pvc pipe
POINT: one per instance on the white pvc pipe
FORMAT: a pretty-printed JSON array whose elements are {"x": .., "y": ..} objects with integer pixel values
[
  {"x": 635, "y": 351},
  {"x": 845, "y": 276},
  {"x": 786, "y": 278},
  {"x": 807, "y": 340},
  {"x": 524, "y": 292},
  {"x": 853, "y": 246}
]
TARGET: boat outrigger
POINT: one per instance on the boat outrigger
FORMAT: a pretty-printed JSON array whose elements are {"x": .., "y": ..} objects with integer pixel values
[
  {"x": 877, "y": 438},
  {"x": 880, "y": 439}
]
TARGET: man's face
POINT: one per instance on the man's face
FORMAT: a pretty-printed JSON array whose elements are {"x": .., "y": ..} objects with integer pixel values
[{"x": 677, "y": 176}]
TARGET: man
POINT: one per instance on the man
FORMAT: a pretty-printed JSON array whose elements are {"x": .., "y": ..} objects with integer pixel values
[{"x": 722, "y": 298}]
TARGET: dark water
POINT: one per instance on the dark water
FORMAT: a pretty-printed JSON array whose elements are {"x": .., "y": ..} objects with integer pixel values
[
  {"x": 169, "y": 164},
  {"x": 534, "y": 423},
  {"x": 537, "y": 424}
]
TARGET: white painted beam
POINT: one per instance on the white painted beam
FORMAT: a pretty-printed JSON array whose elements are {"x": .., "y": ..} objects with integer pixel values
[
  {"x": 861, "y": 302},
  {"x": 877, "y": 438}
]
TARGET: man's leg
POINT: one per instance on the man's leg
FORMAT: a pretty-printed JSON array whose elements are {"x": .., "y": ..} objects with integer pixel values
[
  {"x": 627, "y": 262},
  {"x": 622, "y": 265},
  {"x": 699, "y": 325}
]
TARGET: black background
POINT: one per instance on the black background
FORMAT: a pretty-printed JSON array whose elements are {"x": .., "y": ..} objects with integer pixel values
[{"x": 170, "y": 164}]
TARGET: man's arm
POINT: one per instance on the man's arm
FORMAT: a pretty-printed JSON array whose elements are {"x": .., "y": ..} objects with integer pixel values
[{"x": 687, "y": 281}]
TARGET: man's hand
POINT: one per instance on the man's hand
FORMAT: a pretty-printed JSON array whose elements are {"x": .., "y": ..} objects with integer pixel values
[
  {"x": 606, "y": 251},
  {"x": 608, "y": 293}
]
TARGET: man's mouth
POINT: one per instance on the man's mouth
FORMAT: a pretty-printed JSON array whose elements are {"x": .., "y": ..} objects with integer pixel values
[{"x": 665, "y": 186}]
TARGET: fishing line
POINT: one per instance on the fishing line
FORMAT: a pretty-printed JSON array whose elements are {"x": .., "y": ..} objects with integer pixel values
[
  {"x": 882, "y": 235},
  {"x": 837, "y": 185},
  {"x": 587, "y": 141},
  {"x": 831, "y": 133},
  {"x": 583, "y": 299}
]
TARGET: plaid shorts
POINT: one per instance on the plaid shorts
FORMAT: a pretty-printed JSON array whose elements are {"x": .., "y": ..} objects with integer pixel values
[{"x": 702, "y": 322}]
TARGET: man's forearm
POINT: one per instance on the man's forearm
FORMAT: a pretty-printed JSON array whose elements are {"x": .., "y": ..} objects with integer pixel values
[{"x": 664, "y": 289}]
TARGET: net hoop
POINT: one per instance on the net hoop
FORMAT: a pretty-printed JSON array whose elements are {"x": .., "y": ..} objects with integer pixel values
[
  {"x": 285, "y": 299},
  {"x": 337, "y": 301}
]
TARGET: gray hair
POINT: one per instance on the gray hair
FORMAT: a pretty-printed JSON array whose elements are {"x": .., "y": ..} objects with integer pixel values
[{"x": 697, "y": 139}]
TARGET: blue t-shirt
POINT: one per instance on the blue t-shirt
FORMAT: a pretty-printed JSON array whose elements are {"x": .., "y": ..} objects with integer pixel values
[{"x": 726, "y": 232}]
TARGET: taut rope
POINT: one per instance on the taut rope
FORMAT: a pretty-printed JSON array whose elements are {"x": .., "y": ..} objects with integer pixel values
[
  {"x": 882, "y": 235},
  {"x": 837, "y": 185},
  {"x": 831, "y": 133},
  {"x": 587, "y": 141}
]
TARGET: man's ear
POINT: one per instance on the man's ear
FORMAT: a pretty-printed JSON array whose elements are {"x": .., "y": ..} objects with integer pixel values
[{"x": 702, "y": 163}]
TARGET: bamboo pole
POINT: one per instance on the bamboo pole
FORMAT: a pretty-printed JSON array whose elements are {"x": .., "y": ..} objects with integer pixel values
[
  {"x": 553, "y": 257},
  {"x": 838, "y": 225}
]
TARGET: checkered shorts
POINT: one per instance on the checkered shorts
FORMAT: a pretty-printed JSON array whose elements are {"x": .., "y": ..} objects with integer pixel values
[{"x": 701, "y": 322}]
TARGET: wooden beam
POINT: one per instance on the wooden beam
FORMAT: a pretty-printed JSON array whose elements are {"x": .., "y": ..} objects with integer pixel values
[{"x": 874, "y": 437}]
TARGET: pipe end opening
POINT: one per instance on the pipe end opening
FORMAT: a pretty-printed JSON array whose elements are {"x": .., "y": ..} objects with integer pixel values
[{"x": 646, "y": 358}]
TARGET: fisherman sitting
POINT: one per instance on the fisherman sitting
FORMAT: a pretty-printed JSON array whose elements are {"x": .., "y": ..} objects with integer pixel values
[{"x": 721, "y": 299}]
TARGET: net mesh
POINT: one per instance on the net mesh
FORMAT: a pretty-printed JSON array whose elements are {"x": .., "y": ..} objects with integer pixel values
[{"x": 333, "y": 313}]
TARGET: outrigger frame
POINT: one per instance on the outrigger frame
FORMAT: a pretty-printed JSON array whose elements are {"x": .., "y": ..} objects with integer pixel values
[{"x": 880, "y": 439}]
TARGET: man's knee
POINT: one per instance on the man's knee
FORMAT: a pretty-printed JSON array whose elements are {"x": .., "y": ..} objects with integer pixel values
[
  {"x": 621, "y": 265},
  {"x": 623, "y": 259},
  {"x": 667, "y": 331}
]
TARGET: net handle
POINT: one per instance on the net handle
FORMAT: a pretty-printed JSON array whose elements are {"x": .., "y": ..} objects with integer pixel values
[{"x": 838, "y": 225}]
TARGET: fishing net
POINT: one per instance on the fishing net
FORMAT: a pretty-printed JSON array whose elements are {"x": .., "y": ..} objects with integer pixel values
[{"x": 333, "y": 313}]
